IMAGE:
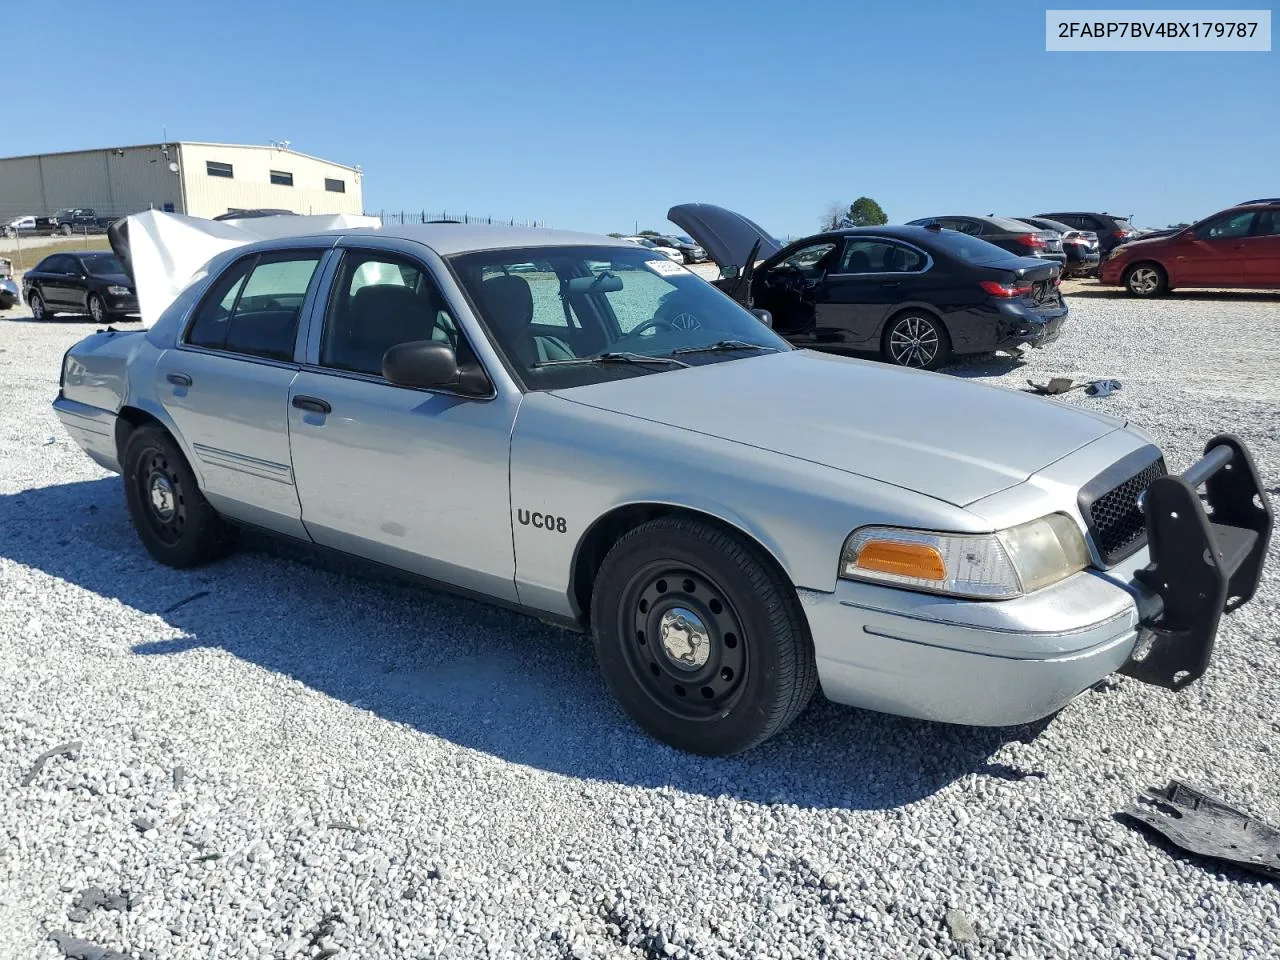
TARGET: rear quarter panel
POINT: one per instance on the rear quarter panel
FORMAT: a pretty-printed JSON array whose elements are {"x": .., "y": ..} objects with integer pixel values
[{"x": 577, "y": 463}]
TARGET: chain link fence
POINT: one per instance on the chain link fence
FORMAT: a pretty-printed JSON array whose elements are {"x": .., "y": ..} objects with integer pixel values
[{"x": 401, "y": 217}]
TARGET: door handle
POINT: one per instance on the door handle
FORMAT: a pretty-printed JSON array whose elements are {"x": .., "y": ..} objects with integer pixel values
[
  {"x": 313, "y": 404},
  {"x": 178, "y": 379},
  {"x": 891, "y": 283}
]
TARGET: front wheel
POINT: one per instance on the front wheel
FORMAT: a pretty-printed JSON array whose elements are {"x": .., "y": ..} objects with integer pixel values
[
  {"x": 700, "y": 638},
  {"x": 97, "y": 309},
  {"x": 173, "y": 519},
  {"x": 1145, "y": 280},
  {"x": 916, "y": 340},
  {"x": 65, "y": 229}
]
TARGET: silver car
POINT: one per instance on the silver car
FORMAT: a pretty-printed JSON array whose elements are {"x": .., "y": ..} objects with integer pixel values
[{"x": 579, "y": 428}]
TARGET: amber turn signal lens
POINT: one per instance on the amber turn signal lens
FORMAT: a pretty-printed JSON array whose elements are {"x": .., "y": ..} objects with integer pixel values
[{"x": 904, "y": 559}]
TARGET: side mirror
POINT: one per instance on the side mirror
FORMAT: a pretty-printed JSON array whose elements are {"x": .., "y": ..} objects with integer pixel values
[
  {"x": 421, "y": 363},
  {"x": 764, "y": 316},
  {"x": 730, "y": 273}
]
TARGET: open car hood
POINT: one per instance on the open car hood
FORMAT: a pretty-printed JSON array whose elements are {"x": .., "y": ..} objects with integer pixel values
[{"x": 726, "y": 236}]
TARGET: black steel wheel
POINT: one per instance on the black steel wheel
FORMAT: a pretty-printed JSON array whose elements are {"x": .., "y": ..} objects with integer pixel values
[
  {"x": 700, "y": 636},
  {"x": 915, "y": 339},
  {"x": 97, "y": 309},
  {"x": 173, "y": 519},
  {"x": 687, "y": 651}
]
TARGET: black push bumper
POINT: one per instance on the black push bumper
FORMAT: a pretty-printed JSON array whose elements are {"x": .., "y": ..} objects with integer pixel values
[{"x": 1206, "y": 560}]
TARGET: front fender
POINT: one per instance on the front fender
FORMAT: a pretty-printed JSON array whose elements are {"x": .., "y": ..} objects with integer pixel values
[{"x": 573, "y": 464}]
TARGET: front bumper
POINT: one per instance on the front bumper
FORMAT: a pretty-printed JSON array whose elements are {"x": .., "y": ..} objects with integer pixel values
[
  {"x": 1112, "y": 270},
  {"x": 121, "y": 304},
  {"x": 9, "y": 294},
  {"x": 1154, "y": 616}
]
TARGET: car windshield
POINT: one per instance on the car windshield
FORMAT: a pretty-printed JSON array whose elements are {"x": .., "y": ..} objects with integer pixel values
[
  {"x": 568, "y": 316},
  {"x": 1013, "y": 226},
  {"x": 102, "y": 264},
  {"x": 969, "y": 249}
]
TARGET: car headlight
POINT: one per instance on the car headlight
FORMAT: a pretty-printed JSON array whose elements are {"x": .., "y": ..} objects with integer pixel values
[
  {"x": 985, "y": 566},
  {"x": 119, "y": 291}
]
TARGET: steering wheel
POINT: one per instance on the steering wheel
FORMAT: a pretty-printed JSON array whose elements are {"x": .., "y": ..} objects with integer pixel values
[{"x": 655, "y": 324}]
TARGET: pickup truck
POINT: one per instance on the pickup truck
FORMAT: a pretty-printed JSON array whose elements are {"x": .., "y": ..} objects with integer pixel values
[{"x": 74, "y": 220}]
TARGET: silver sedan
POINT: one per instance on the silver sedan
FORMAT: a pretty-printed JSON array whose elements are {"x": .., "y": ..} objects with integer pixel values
[{"x": 580, "y": 428}]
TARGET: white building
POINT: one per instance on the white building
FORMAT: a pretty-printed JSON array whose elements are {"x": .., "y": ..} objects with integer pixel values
[{"x": 201, "y": 179}]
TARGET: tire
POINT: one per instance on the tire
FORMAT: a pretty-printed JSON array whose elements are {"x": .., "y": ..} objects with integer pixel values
[
  {"x": 157, "y": 476},
  {"x": 97, "y": 309},
  {"x": 916, "y": 339},
  {"x": 38, "y": 309},
  {"x": 1145, "y": 280},
  {"x": 65, "y": 229},
  {"x": 700, "y": 638}
]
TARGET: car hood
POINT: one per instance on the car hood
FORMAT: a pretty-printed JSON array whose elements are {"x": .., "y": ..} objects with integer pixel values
[
  {"x": 944, "y": 437},
  {"x": 725, "y": 236},
  {"x": 114, "y": 279}
]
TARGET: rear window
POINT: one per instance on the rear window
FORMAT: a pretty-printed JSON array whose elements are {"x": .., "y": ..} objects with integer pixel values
[
  {"x": 1011, "y": 225},
  {"x": 1122, "y": 223},
  {"x": 970, "y": 249}
]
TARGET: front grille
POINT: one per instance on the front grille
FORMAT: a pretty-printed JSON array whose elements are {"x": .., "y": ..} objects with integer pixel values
[{"x": 1112, "y": 515}]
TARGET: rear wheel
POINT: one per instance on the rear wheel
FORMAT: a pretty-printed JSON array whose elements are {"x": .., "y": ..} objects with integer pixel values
[
  {"x": 700, "y": 638},
  {"x": 1146, "y": 280},
  {"x": 915, "y": 339},
  {"x": 38, "y": 309},
  {"x": 173, "y": 519}
]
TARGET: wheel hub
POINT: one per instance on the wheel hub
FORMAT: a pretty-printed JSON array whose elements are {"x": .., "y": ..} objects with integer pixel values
[
  {"x": 685, "y": 638},
  {"x": 163, "y": 501}
]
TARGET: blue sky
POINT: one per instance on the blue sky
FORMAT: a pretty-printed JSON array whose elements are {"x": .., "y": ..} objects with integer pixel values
[{"x": 600, "y": 116}]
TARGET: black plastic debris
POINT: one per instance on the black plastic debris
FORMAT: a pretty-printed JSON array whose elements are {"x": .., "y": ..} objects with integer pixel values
[
  {"x": 1201, "y": 824},
  {"x": 1057, "y": 385}
]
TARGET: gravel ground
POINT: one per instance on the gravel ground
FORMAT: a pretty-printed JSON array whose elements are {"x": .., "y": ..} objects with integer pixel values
[{"x": 281, "y": 759}]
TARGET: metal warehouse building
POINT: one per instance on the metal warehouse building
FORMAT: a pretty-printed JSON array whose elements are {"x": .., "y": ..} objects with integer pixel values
[{"x": 201, "y": 179}]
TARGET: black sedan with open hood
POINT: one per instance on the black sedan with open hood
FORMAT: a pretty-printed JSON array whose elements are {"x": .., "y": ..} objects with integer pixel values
[{"x": 914, "y": 295}]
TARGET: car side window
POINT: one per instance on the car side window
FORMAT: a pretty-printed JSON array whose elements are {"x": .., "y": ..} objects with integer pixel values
[
  {"x": 253, "y": 307},
  {"x": 57, "y": 264},
  {"x": 808, "y": 259},
  {"x": 379, "y": 300},
  {"x": 1225, "y": 228},
  {"x": 1268, "y": 224},
  {"x": 879, "y": 256}
]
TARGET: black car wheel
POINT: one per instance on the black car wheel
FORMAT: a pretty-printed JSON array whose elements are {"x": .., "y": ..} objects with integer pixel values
[
  {"x": 65, "y": 229},
  {"x": 97, "y": 309},
  {"x": 36, "y": 303},
  {"x": 700, "y": 638},
  {"x": 172, "y": 517},
  {"x": 1146, "y": 280},
  {"x": 915, "y": 339}
]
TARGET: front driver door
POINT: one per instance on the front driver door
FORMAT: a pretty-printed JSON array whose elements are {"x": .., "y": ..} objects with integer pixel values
[
  {"x": 1211, "y": 254},
  {"x": 789, "y": 288},
  {"x": 417, "y": 479}
]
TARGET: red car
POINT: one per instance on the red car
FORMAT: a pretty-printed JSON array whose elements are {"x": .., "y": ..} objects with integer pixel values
[{"x": 1239, "y": 247}]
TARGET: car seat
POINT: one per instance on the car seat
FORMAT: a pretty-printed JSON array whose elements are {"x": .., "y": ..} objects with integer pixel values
[{"x": 510, "y": 314}]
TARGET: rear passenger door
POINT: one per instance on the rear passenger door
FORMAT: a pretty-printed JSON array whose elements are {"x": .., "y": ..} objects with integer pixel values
[
  {"x": 226, "y": 384},
  {"x": 870, "y": 277},
  {"x": 1262, "y": 250}
]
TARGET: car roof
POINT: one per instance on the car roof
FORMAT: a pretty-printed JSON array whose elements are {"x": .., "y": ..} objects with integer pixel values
[
  {"x": 450, "y": 238},
  {"x": 903, "y": 231}
]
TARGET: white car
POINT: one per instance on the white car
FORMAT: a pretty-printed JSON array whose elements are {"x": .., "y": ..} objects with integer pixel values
[
  {"x": 671, "y": 253},
  {"x": 18, "y": 225}
]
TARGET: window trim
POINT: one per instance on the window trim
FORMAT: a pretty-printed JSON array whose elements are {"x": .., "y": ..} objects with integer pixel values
[
  {"x": 342, "y": 185},
  {"x": 286, "y": 178},
  {"x": 209, "y": 169},
  {"x": 304, "y": 310},
  {"x": 320, "y": 315},
  {"x": 928, "y": 259}
]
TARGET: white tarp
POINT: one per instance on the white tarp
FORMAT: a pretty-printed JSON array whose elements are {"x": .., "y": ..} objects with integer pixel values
[{"x": 167, "y": 249}]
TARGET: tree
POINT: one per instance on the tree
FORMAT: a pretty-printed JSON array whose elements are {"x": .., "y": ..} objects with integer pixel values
[{"x": 863, "y": 212}]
